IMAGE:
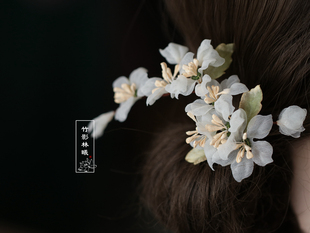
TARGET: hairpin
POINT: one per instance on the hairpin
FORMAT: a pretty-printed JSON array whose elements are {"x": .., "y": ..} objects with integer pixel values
[{"x": 223, "y": 135}]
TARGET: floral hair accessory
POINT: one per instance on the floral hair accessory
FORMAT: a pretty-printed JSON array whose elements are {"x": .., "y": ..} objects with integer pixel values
[{"x": 223, "y": 135}]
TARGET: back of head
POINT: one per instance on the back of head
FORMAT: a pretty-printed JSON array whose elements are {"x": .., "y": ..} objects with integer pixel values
[{"x": 271, "y": 49}]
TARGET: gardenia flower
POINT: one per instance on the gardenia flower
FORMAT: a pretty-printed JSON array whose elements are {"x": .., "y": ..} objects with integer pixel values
[
  {"x": 291, "y": 120},
  {"x": 128, "y": 91}
]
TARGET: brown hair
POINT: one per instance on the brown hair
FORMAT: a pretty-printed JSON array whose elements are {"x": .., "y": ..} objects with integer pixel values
[{"x": 271, "y": 49}]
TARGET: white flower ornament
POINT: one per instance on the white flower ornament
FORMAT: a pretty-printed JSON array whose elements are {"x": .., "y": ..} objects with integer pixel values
[
  {"x": 290, "y": 121},
  {"x": 128, "y": 91},
  {"x": 222, "y": 135}
]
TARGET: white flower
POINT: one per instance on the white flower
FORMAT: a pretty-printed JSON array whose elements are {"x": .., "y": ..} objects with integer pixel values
[
  {"x": 174, "y": 53},
  {"x": 206, "y": 56},
  {"x": 211, "y": 89},
  {"x": 247, "y": 151},
  {"x": 128, "y": 91},
  {"x": 154, "y": 88},
  {"x": 291, "y": 120},
  {"x": 101, "y": 123}
]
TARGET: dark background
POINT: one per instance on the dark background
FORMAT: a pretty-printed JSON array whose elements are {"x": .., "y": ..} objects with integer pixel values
[{"x": 58, "y": 61}]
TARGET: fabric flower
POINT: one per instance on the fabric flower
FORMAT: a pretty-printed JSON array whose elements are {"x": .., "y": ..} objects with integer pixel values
[
  {"x": 101, "y": 123},
  {"x": 154, "y": 88},
  {"x": 247, "y": 151},
  {"x": 206, "y": 55},
  {"x": 128, "y": 91},
  {"x": 211, "y": 89},
  {"x": 291, "y": 120}
]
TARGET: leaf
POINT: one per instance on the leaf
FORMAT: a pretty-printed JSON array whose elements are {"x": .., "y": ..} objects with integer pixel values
[
  {"x": 195, "y": 156},
  {"x": 225, "y": 51},
  {"x": 251, "y": 102}
]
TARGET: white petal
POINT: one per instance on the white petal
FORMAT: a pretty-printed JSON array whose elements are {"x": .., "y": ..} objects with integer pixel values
[
  {"x": 243, "y": 169},
  {"x": 155, "y": 96},
  {"x": 101, "y": 123},
  {"x": 149, "y": 86},
  {"x": 181, "y": 85},
  {"x": 262, "y": 152},
  {"x": 124, "y": 108},
  {"x": 198, "y": 107},
  {"x": 227, "y": 83},
  {"x": 238, "y": 121},
  {"x": 174, "y": 53},
  {"x": 291, "y": 120},
  {"x": 207, "y": 55},
  {"x": 209, "y": 152},
  {"x": 201, "y": 88},
  {"x": 138, "y": 77},
  {"x": 224, "y": 106},
  {"x": 259, "y": 126},
  {"x": 238, "y": 88},
  {"x": 177, "y": 86},
  {"x": 232, "y": 156},
  {"x": 189, "y": 57},
  {"x": 225, "y": 149},
  {"x": 119, "y": 81}
]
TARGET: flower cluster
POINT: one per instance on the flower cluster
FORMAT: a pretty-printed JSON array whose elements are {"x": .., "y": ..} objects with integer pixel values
[{"x": 222, "y": 134}]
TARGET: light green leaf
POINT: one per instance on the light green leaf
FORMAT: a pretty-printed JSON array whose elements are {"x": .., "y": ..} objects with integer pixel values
[
  {"x": 195, "y": 156},
  {"x": 251, "y": 102},
  {"x": 225, "y": 51}
]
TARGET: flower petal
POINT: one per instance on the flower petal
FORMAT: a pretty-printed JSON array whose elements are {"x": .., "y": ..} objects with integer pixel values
[
  {"x": 259, "y": 126},
  {"x": 206, "y": 56},
  {"x": 174, "y": 53},
  {"x": 225, "y": 149},
  {"x": 101, "y": 123},
  {"x": 149, "y": 86},
  {"x": 242, "y": 170},
  {"x": 217, "y": 159},
  {"x": 291, "y": 120},
  {"x": 224, "y": 106},
  {"x": 181, "y": 85},
  {"x": 201, "y": 88},
  {"x": 198, "y": 107},
  {"x": 119, "y": 81},
  {"x": 155, "y": 96},
  {"x": 238, "y": 121},
  {"x": 189, "y": 57},
  {"x": 262, "y": 152},
  {"x": 227, "y": 83},
  {"x": 124, "y": 108},
  {"x": 209, "y": 153},
  {"x": 138, "y": 77},
  {"x": 238, "y": 88}
]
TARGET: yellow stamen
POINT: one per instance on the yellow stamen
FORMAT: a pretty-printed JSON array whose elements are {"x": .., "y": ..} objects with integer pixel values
[
  {"x": 191, "y": 115},
  {"x": 240, "y": 155},
  {"x": 124, "y": 92},
  {"x": 191, "y": 68},
  {"x": 212, "y": 96},
  {"x": 166, "y": 72},
  {"x": 213, "y": 128}
]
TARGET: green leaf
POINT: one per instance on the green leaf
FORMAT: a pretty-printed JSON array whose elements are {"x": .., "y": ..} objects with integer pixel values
[
  {"x": 225, "y": 51},
  {"x": 251, "y": 102},
  {"x": 196, "y": 156}
]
